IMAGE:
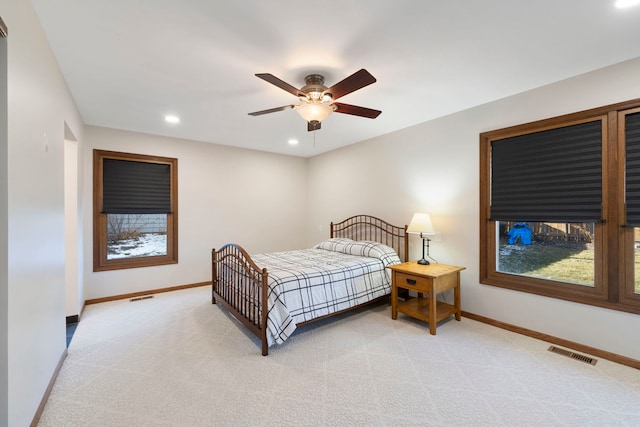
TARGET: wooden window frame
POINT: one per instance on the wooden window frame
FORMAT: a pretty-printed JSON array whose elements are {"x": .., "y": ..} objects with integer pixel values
[
  {"x": 614, "y": 262},
  {"x": 100, "y": 261},
  {"x": 627, "y": 257}
]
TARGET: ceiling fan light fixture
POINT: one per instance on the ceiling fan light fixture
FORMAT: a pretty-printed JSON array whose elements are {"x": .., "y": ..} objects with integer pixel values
[
  {"x": 314, "y": 111},
  {"x": 315, "y": 96}
]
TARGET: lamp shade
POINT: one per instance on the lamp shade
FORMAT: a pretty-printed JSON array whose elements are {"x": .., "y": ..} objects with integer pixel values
[
  {"x": 314, "y": 111},
  {"x": 421, "y": 224}
]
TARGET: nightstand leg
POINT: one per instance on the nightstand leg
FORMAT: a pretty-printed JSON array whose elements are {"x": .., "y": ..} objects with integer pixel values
[
  {"x": 456, "y": 299},
  {"x": 394, "y": 302},
  {"x": 432, "y": 312}
]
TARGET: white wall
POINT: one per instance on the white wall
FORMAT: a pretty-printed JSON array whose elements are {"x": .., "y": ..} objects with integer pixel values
[
  {"x": 225, "y": 194},
  {"x": 434, "y": 167},
  {"x": 39, "y": 104}
]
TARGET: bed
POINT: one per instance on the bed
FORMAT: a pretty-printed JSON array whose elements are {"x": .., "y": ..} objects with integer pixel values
[{"x": 272, "y": 294}]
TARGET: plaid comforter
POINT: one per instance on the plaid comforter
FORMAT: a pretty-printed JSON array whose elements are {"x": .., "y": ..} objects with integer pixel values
[{"x": 334, "y": 275}]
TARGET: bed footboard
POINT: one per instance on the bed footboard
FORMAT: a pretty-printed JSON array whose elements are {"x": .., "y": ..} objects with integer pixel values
[{"x": 241, "y": 287}]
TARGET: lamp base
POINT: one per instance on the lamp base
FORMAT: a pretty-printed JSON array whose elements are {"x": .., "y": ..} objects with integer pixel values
[{"x": 423, "y": 262}]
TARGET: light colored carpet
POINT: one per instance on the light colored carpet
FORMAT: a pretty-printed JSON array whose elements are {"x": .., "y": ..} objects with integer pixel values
[{"x": 178, "y": 360}]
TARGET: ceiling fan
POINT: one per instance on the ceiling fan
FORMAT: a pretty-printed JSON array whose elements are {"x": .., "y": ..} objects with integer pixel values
[{"x": 318, "y": 101}]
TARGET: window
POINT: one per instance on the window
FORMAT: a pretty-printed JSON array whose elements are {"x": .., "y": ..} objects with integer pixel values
[
  {"x": 629, "y": 263},
  {"x": 135, "y": 210},
  {"x": 560, "y": 207}
]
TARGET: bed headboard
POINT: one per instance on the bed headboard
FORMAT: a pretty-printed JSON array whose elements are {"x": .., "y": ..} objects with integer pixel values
[{"x": 367, "y": 227}]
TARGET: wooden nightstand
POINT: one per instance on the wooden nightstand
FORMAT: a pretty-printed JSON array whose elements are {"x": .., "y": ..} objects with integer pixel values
[{"x": 425, "y": 279}]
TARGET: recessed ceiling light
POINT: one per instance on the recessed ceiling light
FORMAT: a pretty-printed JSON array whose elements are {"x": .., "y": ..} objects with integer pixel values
[
  {"x": 621, "y": 4},
  {"x": 172, "y": 119},
  {"x": 293, "y": 142}
]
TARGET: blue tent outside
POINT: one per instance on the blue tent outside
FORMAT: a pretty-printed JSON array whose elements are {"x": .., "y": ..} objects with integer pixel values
[{"x": 519, "y": 231}]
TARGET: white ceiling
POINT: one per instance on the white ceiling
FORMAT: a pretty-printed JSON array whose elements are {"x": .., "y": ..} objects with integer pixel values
[{"x": 128, "y": 63}]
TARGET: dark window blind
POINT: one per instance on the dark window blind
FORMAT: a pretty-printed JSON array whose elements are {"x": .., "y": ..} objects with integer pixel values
[
  {"x": 632, "y": 170},
  {"x": 548, "y": 176},
  {"x": 131, "y": 187}
]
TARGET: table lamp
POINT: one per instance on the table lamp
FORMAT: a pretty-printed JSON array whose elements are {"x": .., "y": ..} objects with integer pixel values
[{"x": 421, "y": 224}]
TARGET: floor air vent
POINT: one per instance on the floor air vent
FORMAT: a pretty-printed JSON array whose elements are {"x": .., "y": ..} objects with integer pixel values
[
  {"x": 571, "y": 354},
  {"x": 140, "y": 298}
]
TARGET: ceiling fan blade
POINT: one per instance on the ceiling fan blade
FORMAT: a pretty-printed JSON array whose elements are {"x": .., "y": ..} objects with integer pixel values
[
  {"x": 272, "y": 110},
  {"x": 280, "y": 83},
  {"x": 354, "y": 110},
  {"x": 313, "y": 125},
  {"x": 355, "y": 81}
]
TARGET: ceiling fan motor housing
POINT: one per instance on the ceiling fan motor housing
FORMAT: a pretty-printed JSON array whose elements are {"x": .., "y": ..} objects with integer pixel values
[{"x": 314, "y": 87}]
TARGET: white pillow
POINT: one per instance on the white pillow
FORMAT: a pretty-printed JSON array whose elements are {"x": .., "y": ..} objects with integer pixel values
[
  {"x": 334, "y": 244},
  {"x": 365, "y": 248}
]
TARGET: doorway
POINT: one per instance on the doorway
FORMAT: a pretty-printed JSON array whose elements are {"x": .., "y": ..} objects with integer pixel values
[{"x": 73, "y": 288}]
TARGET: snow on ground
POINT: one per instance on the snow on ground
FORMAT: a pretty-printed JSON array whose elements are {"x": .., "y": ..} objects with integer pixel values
[
  {"x": 149, "y": 244},
  {"x": 506, "y": 249}
]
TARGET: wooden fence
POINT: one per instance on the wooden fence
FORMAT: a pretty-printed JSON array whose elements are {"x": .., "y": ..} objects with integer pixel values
[
  {"x": 549, "y": 231},
  {"x": 148, "y": 223}
]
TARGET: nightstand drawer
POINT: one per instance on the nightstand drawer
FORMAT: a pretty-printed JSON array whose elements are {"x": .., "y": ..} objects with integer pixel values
[{"x": 413, "y": 282}]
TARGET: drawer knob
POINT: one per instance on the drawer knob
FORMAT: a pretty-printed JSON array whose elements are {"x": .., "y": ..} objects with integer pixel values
[{"x": 411, "y": 281}]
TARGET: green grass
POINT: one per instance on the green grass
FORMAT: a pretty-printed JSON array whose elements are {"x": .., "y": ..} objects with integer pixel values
[
  {"x": 554, "y": 262},
  {"x": 572, "y": 263}
]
